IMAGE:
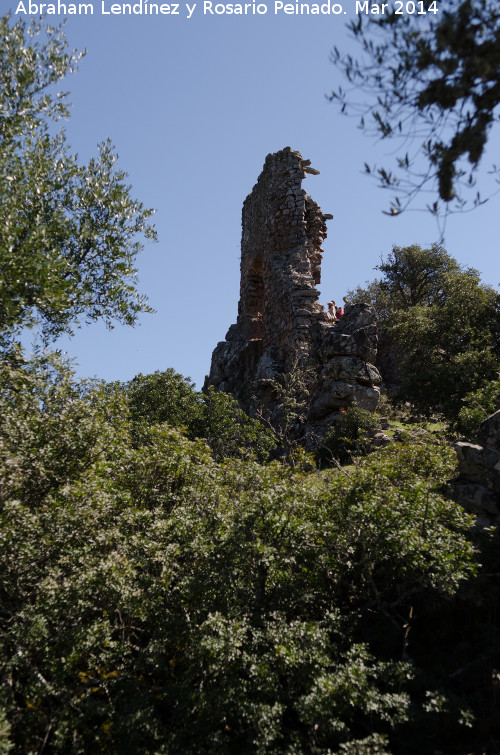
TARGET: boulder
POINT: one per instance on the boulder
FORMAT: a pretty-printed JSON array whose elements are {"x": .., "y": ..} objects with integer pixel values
[{"x": 478, "y": 487}]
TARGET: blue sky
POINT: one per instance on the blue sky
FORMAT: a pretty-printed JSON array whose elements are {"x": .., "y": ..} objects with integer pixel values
[{"x": 193, "y": 107}]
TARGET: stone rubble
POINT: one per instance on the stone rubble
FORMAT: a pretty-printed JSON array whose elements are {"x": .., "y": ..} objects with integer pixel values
[
  {"x": 478, "y": 487},
  {"x": 280, "y": 323}
]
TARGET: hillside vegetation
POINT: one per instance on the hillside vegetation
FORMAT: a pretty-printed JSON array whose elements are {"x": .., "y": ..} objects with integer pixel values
[{"x": 159, "y": 598}]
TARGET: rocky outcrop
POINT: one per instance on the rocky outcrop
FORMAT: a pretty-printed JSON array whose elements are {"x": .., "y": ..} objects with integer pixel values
[
  {"x": 478, "y": 487},
  {"x": 389, "y": 359},
  {"x": 281, "y": 326}
]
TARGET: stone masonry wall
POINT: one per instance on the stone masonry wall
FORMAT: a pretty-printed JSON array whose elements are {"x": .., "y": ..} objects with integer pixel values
[
  {"x": 478, "y": 487},
  {"x": 280, "y": 322}
]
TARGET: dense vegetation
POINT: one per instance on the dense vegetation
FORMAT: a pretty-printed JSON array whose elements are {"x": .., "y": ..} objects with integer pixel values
[
  {"x": 444, "y": 324},
  {"x": 155, "y": 600},
  {"x": 70, "y": 232},
  {"x": 166, "y": 588},
  {"x": 216, "y": 417}
]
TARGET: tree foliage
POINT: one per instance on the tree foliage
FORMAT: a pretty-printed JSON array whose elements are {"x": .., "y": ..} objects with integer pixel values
[
  {"x": 452, "y": 348},
  {"x": 154, "y": 600},
  {"x": 70, "y": 232},
  {"x": 162, "y": 396},
  {"x": 411, "y": 276},
  {"x": 443, "y": 320},
  {"x": 346, "y": 437},
  {"x": 476, "y": 407},
  {"x": 228, "y": 430},
  {"x": 429, "y": 79},
  {"x": 214, "y": 416},
  {"x": 286, "y": 413}
]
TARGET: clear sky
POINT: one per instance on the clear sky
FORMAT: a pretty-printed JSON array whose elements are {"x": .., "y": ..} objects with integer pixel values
[{"x": 193, "y": 106}]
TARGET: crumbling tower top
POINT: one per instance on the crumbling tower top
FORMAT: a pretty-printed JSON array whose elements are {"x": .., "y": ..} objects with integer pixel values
[{"x": 282, "y": 233}]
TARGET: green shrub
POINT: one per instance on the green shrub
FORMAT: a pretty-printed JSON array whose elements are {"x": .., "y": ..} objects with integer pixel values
[
  {"x": 162, "y": 397},
  {"x": 228, "y": 430},
  {"x": 477, "y": 407},
  {"x": 346, "y": 438},
  {"x": 444, "y": 323},
  {"x": 53, "y": 427},
  {"x": 214, "y": 416},
  {"x": 5, "y": 742},
  {"x": 154, "y": 600}
]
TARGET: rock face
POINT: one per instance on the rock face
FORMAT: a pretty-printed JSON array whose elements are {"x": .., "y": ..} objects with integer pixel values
[
  {"x": 280, "y": 324},
  {"x": 389, "y": 360},
  {"x": 478, "y": 487}
]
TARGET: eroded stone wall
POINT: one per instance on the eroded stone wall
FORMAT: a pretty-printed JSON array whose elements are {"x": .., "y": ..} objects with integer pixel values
[
  {"x": 280, "y": 322},
  {"x": 478, "y": 487}
]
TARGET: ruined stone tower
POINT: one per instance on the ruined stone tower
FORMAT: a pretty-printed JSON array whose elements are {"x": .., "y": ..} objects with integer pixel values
[{"x": 280, "y": 322}]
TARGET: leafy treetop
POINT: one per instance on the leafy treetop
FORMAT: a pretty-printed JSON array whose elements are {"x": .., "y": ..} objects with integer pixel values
[
  {"x": 411, "y": 275},
  {"x": 444, "y": 322},
  {"x": 69, "y": 231},
  {"x": 430, "y": 78}
]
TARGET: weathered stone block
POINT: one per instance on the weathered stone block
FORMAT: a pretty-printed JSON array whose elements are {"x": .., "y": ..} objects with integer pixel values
[
  {"x": 366, "y": 397},
  {"x": 479, "y": 464},
  {"x": 336, "y": 397},
  {"x": 478, "y": 487},
  {"x": 361, "y": 343},
  {"x": 351, "y": 368},
  {"x": 475, "y": 498},
  {"x": 489, "y": 431}
]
